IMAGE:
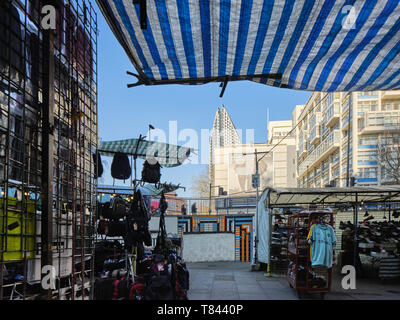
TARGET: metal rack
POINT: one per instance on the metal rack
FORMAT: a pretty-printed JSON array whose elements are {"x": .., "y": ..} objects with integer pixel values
[
  {"x": 48, "y": 133},
  {"x": 299, "y": 252}
]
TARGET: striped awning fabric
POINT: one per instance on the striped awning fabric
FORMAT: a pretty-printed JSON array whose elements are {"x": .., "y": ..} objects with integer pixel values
[
  {"x": 167, "y": 155},
  {"x": 341, "y": 45}
]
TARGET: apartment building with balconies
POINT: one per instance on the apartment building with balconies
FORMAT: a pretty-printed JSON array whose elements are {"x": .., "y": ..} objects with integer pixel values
[{"x": 340, "y": 135}]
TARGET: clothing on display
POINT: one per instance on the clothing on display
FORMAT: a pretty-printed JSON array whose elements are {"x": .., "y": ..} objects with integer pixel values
[
  {"x": 310, "y": 250},
  {"x": 322, "y": 239}
]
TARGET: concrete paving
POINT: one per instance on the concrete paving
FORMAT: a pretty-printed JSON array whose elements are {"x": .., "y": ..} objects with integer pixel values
[{"x": 235, "y": 281}]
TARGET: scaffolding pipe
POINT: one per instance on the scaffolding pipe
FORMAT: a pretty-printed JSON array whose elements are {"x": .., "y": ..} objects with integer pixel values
[{"x": 47, "y": 155}]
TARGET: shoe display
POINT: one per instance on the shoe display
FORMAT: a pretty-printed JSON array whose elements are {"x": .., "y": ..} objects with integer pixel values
[
  {"x": 372, "y": 235},
  {"x": 369, "y": 218}
]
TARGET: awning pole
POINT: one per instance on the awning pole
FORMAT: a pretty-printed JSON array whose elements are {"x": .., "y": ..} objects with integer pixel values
[
  {"x": 135, "y": 156},
  {"x": 355, "y": 231}
]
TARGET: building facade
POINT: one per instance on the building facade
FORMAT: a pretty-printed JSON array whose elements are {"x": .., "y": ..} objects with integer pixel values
[
  {"x": 235, "y": 165},
  {"x": 342, "y": 135},
  {"x": 278, "y": 130},
  {"x": 223, "y": 134},
  {"x": 175, "y": 204}
]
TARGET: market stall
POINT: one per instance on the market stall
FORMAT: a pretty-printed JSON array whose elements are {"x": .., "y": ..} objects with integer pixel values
[
  {"x": 379, "y": 239},
  {"x": 128, "y": 266}
]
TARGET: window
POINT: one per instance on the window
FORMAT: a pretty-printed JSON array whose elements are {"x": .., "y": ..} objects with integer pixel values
[
  {"x": 367, "y": 93},
  {"x": 368, "y": 172},
  {"x": 368, "y": 140},
  {"x": 366, "y": 106},
  {"x": 391, "y": 106},
  {"x": 368, "y": 157}
]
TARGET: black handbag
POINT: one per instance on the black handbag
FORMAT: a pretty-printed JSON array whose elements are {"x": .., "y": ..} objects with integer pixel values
[
  {"x": 120, "y": 167},
  {"x": 151, "y": 172}
]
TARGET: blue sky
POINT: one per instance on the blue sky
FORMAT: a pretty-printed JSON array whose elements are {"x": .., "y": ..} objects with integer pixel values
[{"x": 125, "y": 113}]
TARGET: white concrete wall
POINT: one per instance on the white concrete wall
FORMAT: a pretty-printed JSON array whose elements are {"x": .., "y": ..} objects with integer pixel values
[
  {"x": 206, "y": 247},
  {"x": 171, "y": 224}
]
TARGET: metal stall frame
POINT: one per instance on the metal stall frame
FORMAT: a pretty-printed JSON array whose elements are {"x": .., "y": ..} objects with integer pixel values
[
  {"x": 48, "y": 106},
  {"x": 331, "y": 197}
]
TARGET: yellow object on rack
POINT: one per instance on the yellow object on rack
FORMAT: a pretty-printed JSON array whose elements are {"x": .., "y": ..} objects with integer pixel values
[{"x": 17, "y": 229}]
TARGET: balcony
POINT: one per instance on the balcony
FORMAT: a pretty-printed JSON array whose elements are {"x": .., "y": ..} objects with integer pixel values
[
  {"x": 315, "y": 135},
  {"x": 333, "y": 115},
  {"x": 390, "y": 95},
  {"x": 375, "y": 122},
  {"x": 345, "y": 123},
  {"x": 321, "y": 152},
  {"x": 303, "y": 149}
]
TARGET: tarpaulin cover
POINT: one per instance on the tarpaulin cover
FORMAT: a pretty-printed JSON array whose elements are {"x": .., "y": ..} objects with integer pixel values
[
  {"x": 264, "y": 232},
  {"x": 341, "y": 45}
]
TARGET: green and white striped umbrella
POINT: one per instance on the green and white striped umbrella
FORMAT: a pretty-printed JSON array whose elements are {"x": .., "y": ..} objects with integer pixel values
[{"x": 167, "y": 155}]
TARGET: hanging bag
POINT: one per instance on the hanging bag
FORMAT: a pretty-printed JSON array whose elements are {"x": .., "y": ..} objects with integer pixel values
[
  {"x": 118, "y": 207},
  {"x": 120, "y": 167},
  {"x": 138, "y": 222},
  {"x": 151, "y": 172},
  {"x": 116, "y": 229},
  {"x": 98, "y": 166},
  {"x": 163, "y": 244}
]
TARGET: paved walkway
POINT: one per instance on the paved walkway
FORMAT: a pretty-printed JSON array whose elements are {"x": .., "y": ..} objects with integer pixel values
[{"x": 235, "y": 281}]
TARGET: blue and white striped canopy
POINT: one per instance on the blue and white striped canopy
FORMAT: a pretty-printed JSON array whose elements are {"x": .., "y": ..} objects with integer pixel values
[{"x": 342, "y": 45}]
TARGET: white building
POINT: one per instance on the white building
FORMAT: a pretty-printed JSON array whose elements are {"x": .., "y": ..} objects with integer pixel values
[
  {"x": 223, "y": 134},
  {"x": 341, "y": 135}
]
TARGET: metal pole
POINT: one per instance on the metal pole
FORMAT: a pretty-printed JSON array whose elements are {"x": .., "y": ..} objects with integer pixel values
[
  {"x": 47, "y": 155},
  {"x": 348, "y": 147},
  {"x": 256, "y": 235},
  {"x": 209, "y": 202},
  {"x": 355, "y": 231}
]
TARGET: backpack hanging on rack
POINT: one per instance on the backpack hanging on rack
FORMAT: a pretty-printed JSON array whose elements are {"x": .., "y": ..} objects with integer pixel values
[
  {"x": 118, "y": 207},
  {"x": 151, "y": 173},
  {"x": 120, "y": 167}
]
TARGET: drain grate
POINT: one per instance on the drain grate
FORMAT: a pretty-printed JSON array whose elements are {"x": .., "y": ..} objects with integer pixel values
[{"x": 222, "y": 277}]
